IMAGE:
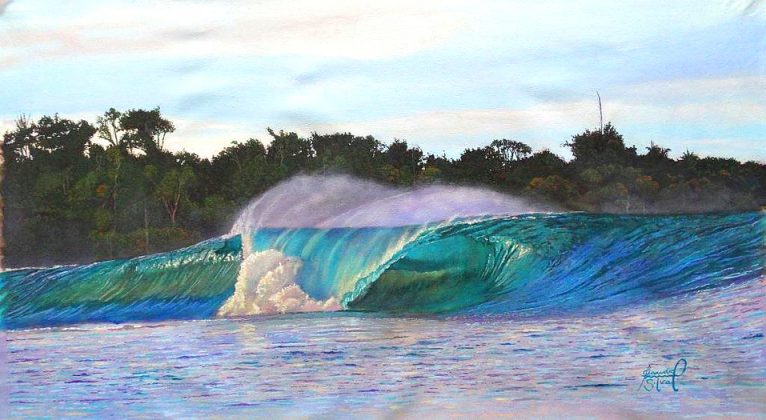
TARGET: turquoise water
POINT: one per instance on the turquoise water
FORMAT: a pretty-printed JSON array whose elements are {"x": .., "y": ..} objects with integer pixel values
[{"x": 526, "y": 264}]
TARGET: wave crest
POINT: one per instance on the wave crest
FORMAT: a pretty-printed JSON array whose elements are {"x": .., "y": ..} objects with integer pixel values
[{"x": 337, "y": 201}]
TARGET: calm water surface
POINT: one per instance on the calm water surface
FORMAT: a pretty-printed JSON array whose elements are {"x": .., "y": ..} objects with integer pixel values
[{"x": 341, "y": 364}]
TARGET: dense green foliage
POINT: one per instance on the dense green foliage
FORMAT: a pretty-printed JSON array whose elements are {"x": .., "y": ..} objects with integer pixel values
[{"x": 76, "y": 192}]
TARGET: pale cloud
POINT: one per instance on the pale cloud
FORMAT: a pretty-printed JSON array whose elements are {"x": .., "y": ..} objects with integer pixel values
[
  {"x": 489, "y": 64},
  {"x": 366, "y": 30},
  {"x": 207, "y": 138},
  {"x": 3, "y": 5},
  {"x": 680, "y": 90},
  {"x": 753, "y": 150},
  {"x": 339, "y": 28},
  {"x": 696, "y": 102},
  {"x": 566, "y": 26},
  {"x": 686, "y": 103},
  {"x": 721, "y": 113},
  {"x": 727, "y": 101},
  {"x": 574, "y": 114},
  {"x": 748, "y": 7},
  {"x": 470, "y": 122},
  {"x": 6, "y": 124}
]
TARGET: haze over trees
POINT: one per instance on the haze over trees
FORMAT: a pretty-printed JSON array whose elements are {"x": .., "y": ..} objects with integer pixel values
[{"x": 76, "y": 191}]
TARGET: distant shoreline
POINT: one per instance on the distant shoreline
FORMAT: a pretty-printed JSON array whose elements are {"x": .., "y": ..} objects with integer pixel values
[{"x": 76, "y": 191}]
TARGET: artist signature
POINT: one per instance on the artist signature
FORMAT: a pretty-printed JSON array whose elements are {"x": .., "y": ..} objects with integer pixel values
[{"x": 657, "y": 379}]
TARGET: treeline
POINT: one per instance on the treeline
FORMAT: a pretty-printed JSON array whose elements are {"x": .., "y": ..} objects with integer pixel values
[{"x": 76, "y": 191}]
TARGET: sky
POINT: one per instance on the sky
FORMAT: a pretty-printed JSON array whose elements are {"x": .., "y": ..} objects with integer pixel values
[{"x": 444, "y": 75}]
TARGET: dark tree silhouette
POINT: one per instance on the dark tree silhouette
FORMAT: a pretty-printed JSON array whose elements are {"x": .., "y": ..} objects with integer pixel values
[{"x": 75, "y": 192}]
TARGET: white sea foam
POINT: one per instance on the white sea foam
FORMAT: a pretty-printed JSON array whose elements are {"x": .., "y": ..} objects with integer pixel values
[{"x": 266, "y": 285}]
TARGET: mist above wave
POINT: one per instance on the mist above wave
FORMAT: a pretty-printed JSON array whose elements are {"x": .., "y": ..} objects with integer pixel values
[{"x": 344, "y": 201}]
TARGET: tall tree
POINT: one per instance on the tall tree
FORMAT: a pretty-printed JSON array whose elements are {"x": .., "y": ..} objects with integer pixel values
[
  {"x": 403, "y": 162},
  {"x": 344, "y": 151},
  {"x": 592, "y": 148},
  {"x": 290, "y": 152},
  {"x": 17, "y": 143},
  {"x": 173, "y": 190},
  {"x": 511, "y": 150},
  {"x": 146, "y": 130},
  {"x": 484, "y": 164},
  {"x": 110, "y": 129}
]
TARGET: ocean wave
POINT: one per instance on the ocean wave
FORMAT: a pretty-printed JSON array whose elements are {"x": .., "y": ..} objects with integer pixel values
[{"x": 520, "y": 264}]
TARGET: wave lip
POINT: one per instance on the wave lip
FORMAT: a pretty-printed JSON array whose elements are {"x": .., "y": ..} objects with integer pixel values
[{"x": 339, "y": 201}]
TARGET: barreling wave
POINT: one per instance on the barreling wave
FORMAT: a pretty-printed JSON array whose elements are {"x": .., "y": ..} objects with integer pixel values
[
  {"x": 337, "y": 243},
  {"x": 534, "y": 263}
]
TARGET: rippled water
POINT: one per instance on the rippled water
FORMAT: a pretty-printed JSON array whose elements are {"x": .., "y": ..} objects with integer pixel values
[{"x": 342, "y": 364}]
